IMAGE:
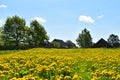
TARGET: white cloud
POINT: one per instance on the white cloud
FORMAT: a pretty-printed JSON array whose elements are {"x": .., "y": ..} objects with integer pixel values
[
  {"x": 87, "y": 19},
  {"x": 3, "y": 6},
  {"x": 39, "y": 19},
  {"x": 101, "y": 16}
]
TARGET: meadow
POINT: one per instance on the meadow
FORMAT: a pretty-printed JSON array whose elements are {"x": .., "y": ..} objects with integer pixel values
[{"x": 60, "y": 64}]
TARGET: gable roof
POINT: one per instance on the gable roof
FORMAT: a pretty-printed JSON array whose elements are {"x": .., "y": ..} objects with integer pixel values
[
  {"x": 102, "y": 43},
  {"x": 47, "y": 44},
  {"x": 61, "y": 42}
]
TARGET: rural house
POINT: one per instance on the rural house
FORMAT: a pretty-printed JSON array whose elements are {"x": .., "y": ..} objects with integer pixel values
[
  {"x": 102, "y": 43},
  {"x": 57, "y": 43}
]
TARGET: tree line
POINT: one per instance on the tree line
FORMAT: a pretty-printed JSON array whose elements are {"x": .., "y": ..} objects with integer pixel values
[
  {"x": 85, "y": 40},
  {"x": 15, "y": 34}
]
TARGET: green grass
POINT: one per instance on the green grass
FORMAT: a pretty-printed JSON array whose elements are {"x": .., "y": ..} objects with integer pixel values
[{"x": 8, "y": 51}]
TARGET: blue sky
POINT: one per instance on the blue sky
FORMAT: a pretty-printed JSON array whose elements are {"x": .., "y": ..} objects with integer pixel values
[{"x": 65, "y": 19}]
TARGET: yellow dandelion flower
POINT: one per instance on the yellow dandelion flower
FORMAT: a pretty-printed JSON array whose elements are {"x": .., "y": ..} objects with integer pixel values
[
  {"x": 67, "y": 78},
  {"x": 75, "y": 77}
]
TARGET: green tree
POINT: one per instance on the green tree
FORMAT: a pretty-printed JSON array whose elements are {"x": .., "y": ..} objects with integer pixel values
[
  {"x": 114, "y": 40},
  {"x": 37, "y": 33},
  {"x": 1, "y": 30},
  {"x": 14, "y": 31},
  {"x": 1, "y": 41},
  {"x": 84, "y": 39}
]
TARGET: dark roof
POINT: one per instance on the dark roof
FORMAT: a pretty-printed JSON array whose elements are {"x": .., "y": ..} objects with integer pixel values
[
  {"x": 61, "y": 42},
  {"x": 102, "y": 43},
  {"x": 70, "y": 44},
  {"x": 47, "y": 44}
]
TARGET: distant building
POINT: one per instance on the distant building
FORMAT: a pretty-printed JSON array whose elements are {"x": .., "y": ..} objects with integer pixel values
[
  {"x": 57, "y": 43},
  {"x": 70, "y": 44},
  {"x": 102, "y": 43},
  {"x": 47, "y": 44}
]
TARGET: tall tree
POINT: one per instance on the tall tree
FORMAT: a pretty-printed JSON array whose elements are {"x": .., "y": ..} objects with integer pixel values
[
  {"x": 37, "y": 33},
  {"x": 14, "y": 30},
  {"x": 84, "y": 39},
  {"x": 1, "y": 41},
  {"x": 1, "y": 30},
  {"x": 114, "y": 40}
]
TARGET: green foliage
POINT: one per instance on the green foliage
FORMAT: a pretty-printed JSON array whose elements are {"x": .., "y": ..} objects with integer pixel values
[
  {"x": 114, "y": 40},
  {"x": 37, "y": 33},
  {"x": 84, "y": 39},
  {"x": 15, "y": 34},
  {"x": 1, "y": 30},
  {"x": 14, "y": 31},
  {"x": 1, "y": 41}
]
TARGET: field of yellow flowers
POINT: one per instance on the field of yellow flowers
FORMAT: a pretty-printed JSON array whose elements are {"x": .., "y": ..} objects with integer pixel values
[{"x": 60, "y": 64}]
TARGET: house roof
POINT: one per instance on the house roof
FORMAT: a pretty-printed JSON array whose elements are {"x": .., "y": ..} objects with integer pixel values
[
  {"x": 102, "y": 43},
  {"x": 61, "y": 42}
]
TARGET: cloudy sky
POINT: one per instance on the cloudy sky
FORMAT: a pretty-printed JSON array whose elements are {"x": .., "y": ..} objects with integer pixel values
[{"x": 65, "y": 19}]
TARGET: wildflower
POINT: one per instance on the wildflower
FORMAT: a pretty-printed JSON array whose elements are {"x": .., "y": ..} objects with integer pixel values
[
  {"x": 95, "y": 78},
  {"x": 118, "y": 77},
  {"x": 67, "y": 78},
  {"x": 75, "y": 77},
  {"x": 113, "y": 77}
]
